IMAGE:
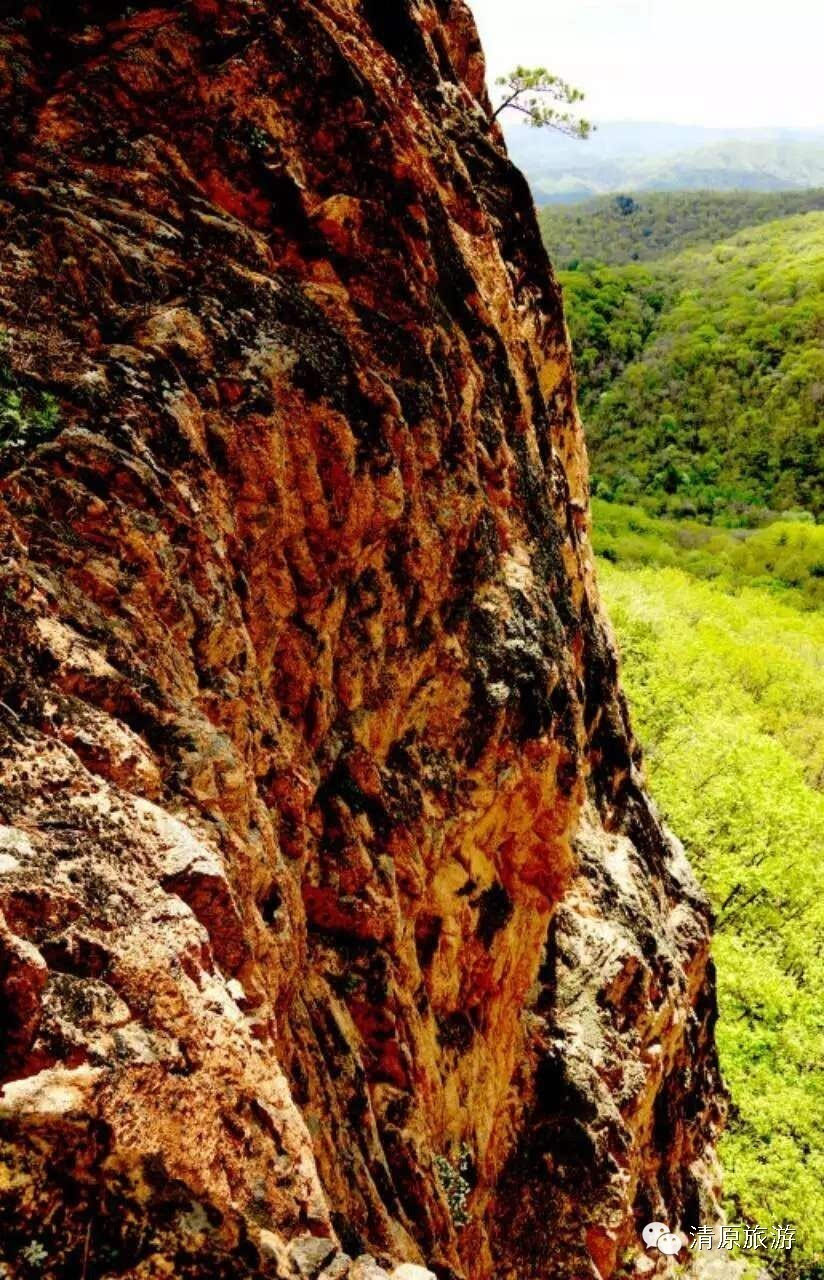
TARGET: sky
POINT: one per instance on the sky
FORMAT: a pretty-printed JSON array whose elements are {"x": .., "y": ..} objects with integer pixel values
[{"x": 727, "y": 63}]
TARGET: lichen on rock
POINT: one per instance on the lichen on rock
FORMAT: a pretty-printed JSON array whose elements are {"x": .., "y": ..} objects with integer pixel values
[{"x": 325, "y": 859}]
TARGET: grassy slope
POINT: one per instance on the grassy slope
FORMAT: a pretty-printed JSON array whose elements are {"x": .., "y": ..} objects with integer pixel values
[
  {"x": 726, "y": 683},
  {"x": 702, "y": 375}
]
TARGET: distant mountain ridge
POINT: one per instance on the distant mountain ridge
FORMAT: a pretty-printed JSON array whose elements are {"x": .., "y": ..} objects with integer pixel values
[{"x": 661, "y": 157}]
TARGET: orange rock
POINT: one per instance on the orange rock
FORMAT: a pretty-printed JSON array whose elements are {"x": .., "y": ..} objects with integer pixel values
[{"x": 338, "y": 933}]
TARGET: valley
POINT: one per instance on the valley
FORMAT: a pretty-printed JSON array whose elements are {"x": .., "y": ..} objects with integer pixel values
[
  {"x": 698, "y": 336},
  {"x": 701, "y": 373}
]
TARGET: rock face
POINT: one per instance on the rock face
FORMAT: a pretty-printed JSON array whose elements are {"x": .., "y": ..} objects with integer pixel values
[{"x": 336, "y": 923}]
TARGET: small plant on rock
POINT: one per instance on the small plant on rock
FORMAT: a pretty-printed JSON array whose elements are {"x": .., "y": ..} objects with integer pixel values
[
  {"x": 456, "y": 1187},
  {"x": 26, "y": 417}
]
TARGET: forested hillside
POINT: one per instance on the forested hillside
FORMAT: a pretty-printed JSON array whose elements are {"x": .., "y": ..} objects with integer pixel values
[
  {"x": 721, "y": 661},
  {"x": 701, "y": 375},
  {"x": 622, "y": 228},
  {"x": 698, "y": 331}
]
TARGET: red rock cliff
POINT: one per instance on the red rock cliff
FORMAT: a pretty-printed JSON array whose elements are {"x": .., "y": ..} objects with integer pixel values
[{"x": 335, "y": 919}]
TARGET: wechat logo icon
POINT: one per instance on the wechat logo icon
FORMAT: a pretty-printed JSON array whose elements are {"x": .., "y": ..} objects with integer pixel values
[{"x": 657, "y": 1235}]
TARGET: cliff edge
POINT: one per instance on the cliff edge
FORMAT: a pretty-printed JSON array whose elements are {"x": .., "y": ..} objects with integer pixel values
[{"x": 337, "y": 931}]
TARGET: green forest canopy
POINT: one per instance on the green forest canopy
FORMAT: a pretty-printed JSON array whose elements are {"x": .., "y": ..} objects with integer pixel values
[
  {"x": 726, "y": 685},
  {"x": 634, "y": 228},
  {"x": 702, "y": 386},
  {"x": 701, "y": 374}
]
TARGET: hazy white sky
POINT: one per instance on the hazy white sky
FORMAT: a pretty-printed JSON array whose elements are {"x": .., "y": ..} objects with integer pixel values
[{"x": 718, "y": 62}]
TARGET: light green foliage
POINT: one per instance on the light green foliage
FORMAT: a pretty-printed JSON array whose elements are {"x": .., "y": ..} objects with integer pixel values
[
  {"x": 785, "y": 557},
  {"x": 726, "y": 684},
  {"x": 34, "y": 1254},
  {"x": 620, "y": 229},
  {"x": 533, "y": 91},
  {"x": 701, "y": 376},
  {"x": 612, "y": 314}
]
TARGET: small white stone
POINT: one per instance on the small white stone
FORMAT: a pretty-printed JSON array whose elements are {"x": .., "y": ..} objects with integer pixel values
[
  {"x": 271, "y": 1245},
  {"x": 13, "y": 840},
  {"x": 410, "y": 1271},
  {"x": 53, "y": 1092},
  {"x": 236, "y": 990}
]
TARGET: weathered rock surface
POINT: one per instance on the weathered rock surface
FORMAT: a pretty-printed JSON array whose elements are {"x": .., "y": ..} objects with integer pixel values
[{"x": 338, "y": 934}]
